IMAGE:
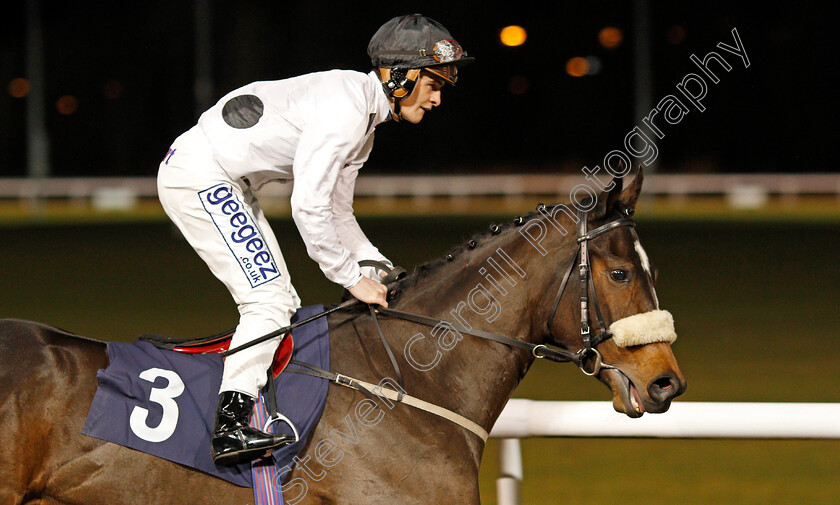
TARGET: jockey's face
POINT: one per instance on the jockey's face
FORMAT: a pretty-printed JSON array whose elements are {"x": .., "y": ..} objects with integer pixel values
[{"x": 425, "y": 97}]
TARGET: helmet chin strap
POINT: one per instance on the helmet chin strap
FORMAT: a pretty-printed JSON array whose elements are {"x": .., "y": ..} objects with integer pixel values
[
  {"x": 398, "y": 83},
  {"x": 396, "y": 114}
]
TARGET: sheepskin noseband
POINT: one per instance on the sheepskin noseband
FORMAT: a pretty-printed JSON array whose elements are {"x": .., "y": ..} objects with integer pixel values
[{"x": 644, "y": 328}]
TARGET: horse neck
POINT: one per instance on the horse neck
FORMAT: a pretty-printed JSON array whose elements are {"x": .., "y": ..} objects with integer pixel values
[{"x": 490, "y": 288}]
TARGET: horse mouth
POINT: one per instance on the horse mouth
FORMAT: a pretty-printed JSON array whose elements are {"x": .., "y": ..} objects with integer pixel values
[{"x": 626, "y": 397}]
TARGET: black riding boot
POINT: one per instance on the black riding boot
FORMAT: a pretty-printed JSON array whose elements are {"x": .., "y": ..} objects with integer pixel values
[{"x": 233, "y": 441}]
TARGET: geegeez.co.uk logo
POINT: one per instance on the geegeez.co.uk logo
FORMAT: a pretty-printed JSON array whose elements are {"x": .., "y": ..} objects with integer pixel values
[{"x": 240, "y": 233}]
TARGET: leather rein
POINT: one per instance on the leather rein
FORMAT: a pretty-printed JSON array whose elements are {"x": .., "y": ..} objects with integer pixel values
[{"x": 587, "y": 358}]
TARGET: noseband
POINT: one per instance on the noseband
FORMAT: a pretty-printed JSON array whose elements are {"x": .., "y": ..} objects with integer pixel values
[{"x": 587, "y": 358}]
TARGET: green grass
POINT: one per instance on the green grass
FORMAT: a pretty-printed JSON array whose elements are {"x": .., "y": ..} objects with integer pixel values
[
  {"x": 685, "y": 472},
  {"x": 755, "y": 304}
]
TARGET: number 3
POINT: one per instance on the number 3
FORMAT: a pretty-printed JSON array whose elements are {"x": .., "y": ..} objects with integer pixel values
[{"x": 164, "y": 398}]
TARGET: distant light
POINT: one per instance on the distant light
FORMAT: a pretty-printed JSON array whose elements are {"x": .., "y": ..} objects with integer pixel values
[
  {"x": 676, "y": 34},
  {"x": 67, "y": 104},
  {"x": 577, "y": 66},
  {"x": 112, "y": 89},
  {"x": 610, "y": 37},
  {"x": 19, "y": 87},
  {"x": 518, "y": 85},
  {"x": 513, "y": 35}
]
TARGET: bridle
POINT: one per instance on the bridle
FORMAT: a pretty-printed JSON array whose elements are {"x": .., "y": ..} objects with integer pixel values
[{"x": 588, "y": 359}]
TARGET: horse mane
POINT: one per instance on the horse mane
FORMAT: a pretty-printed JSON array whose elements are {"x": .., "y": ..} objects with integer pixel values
[{"x": 425, "y": 270}]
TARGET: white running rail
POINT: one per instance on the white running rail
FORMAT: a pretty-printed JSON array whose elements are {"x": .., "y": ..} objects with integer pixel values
[
  {"x": 385, "y": 186},
  {"x": 529, "y": 418}
]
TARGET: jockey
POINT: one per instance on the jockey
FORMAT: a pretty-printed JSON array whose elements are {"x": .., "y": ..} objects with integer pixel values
[{"x": 315, "y": 129}]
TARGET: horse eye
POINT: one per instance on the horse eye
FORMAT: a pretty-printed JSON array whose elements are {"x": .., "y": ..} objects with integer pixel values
[{"x": 618, "y": 275}]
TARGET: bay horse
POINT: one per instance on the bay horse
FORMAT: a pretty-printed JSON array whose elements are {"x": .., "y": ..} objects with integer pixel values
[{"x": 511, "y": 281}]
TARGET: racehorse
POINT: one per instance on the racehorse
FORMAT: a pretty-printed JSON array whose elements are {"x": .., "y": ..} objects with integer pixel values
[{"x": 524, "y": 281}]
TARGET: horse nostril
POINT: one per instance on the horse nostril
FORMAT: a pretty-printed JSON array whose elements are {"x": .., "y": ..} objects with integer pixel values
[
  {"x": 663, "y": 383},
  {"x": 663, "y": 388}
]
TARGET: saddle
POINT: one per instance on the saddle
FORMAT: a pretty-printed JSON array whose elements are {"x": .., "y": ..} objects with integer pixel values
[{"x": 220, "y": 343}]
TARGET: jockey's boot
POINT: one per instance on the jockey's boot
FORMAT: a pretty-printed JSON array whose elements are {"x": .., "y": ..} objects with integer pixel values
[{"x": 233, "y": 441}]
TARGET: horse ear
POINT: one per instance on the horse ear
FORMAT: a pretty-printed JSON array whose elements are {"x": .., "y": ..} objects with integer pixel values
[
  {"x": 607, "y": 198},
  {"x": 623, "y": 199},
  {"x": 631, "y": 193},
  {"x": 613, "y": 195}
]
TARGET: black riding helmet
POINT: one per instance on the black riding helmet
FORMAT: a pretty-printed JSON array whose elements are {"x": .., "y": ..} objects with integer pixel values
[{"x": 405, "y": 45}]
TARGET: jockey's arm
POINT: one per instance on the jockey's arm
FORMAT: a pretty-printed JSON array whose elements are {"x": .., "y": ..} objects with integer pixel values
[
  {"x": 349, "y": 232},
  {"x": 322, "y": 153}
]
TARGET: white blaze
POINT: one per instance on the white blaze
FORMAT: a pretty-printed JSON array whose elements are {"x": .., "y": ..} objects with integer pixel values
[{"x": 646, "y": 265}]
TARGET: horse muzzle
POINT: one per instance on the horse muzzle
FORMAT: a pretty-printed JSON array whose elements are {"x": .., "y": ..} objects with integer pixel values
[{"x": 635, "y": 397}]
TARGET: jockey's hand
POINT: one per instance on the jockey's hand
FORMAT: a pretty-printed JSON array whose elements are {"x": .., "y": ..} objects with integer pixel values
[{"x": 370, "y": 291}]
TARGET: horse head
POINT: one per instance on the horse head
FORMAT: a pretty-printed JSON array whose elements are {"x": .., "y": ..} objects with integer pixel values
[
  {"x": 605, "y": 307},
  {"x": 567, "y": 283}
]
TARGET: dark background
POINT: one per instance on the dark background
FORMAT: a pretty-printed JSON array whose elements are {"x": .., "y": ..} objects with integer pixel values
[{"x": 778, "y": 115}]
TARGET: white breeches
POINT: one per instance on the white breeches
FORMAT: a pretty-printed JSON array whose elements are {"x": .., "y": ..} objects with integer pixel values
[{"x": 221, "y": 219}]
